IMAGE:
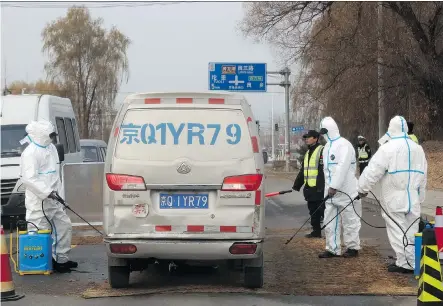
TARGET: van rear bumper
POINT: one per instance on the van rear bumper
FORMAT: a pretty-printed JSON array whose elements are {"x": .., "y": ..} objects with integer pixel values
[{"x": 183, "y": 249}]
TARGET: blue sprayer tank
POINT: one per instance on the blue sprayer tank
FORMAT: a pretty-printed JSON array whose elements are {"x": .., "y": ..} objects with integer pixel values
[
  {"x": 35, "y": 252},
  {"x": 417, "y": 244}
]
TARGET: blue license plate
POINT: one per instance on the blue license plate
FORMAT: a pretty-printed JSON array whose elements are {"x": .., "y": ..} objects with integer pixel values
[{"x": 183, "y": 201}]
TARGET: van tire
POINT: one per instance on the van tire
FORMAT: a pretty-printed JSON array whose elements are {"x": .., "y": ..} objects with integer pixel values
[
  {"x": 254, "y": 276},
  {"x": 119, "y": 276}
]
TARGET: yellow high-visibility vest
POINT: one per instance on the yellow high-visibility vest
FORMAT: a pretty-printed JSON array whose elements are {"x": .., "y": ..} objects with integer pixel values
[
  {"x": 310, "y": 166},
  {"x": 362, "y": 154},
  {"x": 413, "y": 138}
]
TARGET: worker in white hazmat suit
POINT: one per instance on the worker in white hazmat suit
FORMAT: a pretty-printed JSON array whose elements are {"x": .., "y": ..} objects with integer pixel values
[
  {"x": 401, "y": 167},
  {"x": 40, "y": 175},
  {"x": 340, "y": 167}
]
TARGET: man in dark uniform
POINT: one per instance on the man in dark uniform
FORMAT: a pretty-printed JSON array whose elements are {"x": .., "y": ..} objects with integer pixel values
[
  {"x": 364, "y": 153},
  {"x": 312, "y": 177}
]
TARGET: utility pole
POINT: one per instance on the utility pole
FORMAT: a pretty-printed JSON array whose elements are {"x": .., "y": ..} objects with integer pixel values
[
  {"x": 101, "y": 123},
  {"x": 272, "y": 128},
  {"x": 381, "y": 96},
  {"x": 5, "y": 90},
  {"x": 408, "y": 93},
  {"x": 286, "y": 84}
]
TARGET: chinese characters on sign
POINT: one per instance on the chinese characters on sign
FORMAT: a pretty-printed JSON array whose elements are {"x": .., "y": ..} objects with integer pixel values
[
  {"x": 228, "y": 70},
  {"x": 249, "y": 68}
]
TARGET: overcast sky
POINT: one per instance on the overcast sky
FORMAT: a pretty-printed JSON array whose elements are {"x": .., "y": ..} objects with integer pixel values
[{"x": 170, "y": 50}]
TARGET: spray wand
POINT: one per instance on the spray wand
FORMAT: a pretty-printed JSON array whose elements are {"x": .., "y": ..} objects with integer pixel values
[{"x": 66, "y": 205}]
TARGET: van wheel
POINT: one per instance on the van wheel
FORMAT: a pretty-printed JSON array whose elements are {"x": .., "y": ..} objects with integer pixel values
[
  {"x": 119, "y": 276},
  {"x": 254, "y": 275}
]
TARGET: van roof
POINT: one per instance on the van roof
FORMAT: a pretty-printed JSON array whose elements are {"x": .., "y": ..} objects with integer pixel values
[
  {"x": 29, "y": 107},
  {"x": 11, "y": 114},
  {"x": 185, "y": 98}
]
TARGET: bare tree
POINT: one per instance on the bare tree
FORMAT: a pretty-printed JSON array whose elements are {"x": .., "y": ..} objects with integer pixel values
[
  {"x": 337, "y": 44},
  {"x": 87, "y": 59}
]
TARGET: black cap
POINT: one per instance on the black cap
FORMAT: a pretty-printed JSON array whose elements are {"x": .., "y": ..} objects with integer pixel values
[{"x": 311, "y": 133}]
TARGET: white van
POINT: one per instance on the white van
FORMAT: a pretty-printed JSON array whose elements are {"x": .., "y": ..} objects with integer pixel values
[
  {"x": 16, "y": 112},
  {"x": 184, "y": 182}
]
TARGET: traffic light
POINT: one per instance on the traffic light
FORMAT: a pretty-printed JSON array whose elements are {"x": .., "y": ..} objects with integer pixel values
[{"x": 276, "y": 127}]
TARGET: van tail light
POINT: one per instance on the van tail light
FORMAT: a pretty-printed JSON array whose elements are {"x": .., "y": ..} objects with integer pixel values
[
  {"x": 247, "y": 182},
  {"x": 254, "y": 141},
  {"x": 120, "y": 182},
  {"x": 123, "y": 248},
  {"x": 243, "y": 248}
]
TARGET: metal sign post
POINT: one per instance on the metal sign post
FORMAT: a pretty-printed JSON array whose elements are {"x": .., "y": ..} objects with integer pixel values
[{"x": 286, "y": 84}]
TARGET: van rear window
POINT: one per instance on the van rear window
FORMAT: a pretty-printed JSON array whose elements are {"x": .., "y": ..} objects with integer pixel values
[{"x": 198, "y": 134}]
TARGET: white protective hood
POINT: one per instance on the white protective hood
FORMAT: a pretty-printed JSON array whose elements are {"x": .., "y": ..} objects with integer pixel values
[
  {"x": 38, "y": 132},
  {"x": 397, "y": 128},
  {"x": 330, "y": 124}
]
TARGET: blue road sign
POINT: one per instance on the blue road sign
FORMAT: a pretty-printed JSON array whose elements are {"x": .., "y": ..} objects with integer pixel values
[
  {"x": 299, "y": 128},
  {"x": 249, "y": 77}
]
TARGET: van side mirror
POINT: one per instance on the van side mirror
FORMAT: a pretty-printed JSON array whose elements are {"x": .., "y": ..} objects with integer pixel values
[{"x": 60, "y": 151}]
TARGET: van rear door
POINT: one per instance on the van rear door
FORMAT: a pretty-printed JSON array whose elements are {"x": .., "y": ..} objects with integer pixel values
[{"x": 185, "y": 171}]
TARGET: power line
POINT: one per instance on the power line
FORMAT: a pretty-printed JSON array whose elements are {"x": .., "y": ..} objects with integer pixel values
[{"x": 87, "y": 4}]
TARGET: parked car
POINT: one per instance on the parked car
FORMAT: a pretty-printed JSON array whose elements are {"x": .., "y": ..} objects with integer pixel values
[{"x": 93, "y": 150}]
